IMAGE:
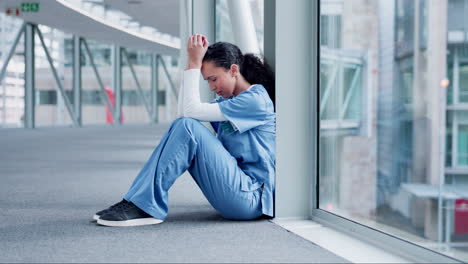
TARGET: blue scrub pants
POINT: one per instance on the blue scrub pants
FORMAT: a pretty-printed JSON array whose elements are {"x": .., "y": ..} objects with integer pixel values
[{"x": 189, "y": 145}]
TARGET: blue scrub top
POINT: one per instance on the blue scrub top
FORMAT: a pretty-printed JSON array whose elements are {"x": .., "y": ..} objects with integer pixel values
[{"x": 249, "y": 136}]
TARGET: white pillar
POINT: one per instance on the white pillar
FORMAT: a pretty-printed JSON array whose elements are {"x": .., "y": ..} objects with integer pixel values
[
  {"x": 185, "y": 27},
  {"x": 419, "y": 100},
  {"x": 197, "y": 17},
  {"x": 436, "y": 68},
  {"x": 243, "y": 26},
  {"x": 296, "y": 66}
]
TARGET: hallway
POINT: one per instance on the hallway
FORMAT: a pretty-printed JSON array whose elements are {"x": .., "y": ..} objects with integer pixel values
[{"x": 54, "y": 179}]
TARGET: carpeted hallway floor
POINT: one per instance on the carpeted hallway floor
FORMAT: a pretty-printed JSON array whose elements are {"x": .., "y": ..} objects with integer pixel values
[{"x": 54, "y": 179}]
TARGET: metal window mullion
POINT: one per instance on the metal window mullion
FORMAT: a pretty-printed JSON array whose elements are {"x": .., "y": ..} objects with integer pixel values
[
  {"x": 449, "y": 204},
  {"x": 456, "y": 87},
  {"x": 154, "y": 86},
  {"x": 330, "y": 83},
  {"x": 98, "y": 77},
  {"x": 455, "y": 128},
  {"x": 117, "y": 82},
  {"x": 367, "y": 94},
  {"x": 135, "y": 78},
  {"x": 340, "y": 85},
  {"x": 77, "y": 81},
  {"x": 29, "y": 76},
  {"x": 350, "y": 93},
  {"x": 456, "y": 77},
  {"x": 11, "y": 52},
  {"x": 57, "y": 79},
  {"x": 171, "y": 83}
]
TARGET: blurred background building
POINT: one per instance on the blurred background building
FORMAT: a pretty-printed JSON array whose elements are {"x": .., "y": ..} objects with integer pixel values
[{"x": 386, "y": 121}]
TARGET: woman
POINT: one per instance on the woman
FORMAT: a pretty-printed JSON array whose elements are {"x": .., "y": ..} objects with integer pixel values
[{"x": 235, "y": 169}]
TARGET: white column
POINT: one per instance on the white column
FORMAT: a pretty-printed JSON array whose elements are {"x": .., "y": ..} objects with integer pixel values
[
  {"x": 296, "y": 41},
  {"x": 419, "y": 100},
  {"x": 243, "y": 26},
  {"x": 185, "y": 26},
  {"x": 204, "y": 23},
  {"x": 436, "y": 68}
]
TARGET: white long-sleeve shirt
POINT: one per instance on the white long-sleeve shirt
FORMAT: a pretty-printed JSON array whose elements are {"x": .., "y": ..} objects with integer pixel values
[{"x": 189, "y": 103}]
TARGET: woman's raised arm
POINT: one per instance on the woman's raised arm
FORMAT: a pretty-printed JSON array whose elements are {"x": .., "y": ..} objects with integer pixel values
[{"x": 189, "y": 101}]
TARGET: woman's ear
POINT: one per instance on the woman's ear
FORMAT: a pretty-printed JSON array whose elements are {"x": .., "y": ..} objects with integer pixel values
[{"x": 234, "y": 70}]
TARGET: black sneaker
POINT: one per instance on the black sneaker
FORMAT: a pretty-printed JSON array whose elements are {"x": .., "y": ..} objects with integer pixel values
[
  {"x": 97, "y": 215},
  {"x": 127, "y": 214}
]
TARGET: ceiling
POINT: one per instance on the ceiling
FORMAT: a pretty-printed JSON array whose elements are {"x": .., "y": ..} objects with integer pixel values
[
  {"x": 160, "y": 14},
  {"x": 58, "y": 14}
]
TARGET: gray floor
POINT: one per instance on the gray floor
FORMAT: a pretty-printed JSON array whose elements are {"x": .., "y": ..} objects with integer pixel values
[{"x": 54, "y": 179}]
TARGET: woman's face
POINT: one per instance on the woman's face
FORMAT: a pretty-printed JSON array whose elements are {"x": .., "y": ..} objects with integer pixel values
[{"x": 221, "y": 81}]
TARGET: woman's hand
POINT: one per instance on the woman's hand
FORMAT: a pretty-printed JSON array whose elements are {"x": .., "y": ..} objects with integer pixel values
[{"x": 196, "y": 48}]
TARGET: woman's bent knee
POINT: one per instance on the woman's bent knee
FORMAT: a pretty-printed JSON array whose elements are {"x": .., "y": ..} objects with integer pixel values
[
  {"x": 185, "y": 121},
  {"x": 190, "y": 125}
]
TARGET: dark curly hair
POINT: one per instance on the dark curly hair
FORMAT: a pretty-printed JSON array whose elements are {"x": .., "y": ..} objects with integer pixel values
[{"x": 254, "y": 69}]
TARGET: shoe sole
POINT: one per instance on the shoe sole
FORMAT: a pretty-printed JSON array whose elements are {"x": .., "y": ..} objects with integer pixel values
[
  {"x": 133, "y": 222},
  {"x": 96, "y": 217}
]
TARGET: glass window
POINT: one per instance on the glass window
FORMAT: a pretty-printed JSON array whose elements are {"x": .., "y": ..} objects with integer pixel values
[
  {"x": 383, "y": 120},
  {"x": 404, "y": 23},
  {"x": 12, "y": 87},
  {"x": 463, "y": 145},
  {"x": 463, "y": 83},
  {"x": 330, "y": 35},
  {"x": 223, "y": 22}
]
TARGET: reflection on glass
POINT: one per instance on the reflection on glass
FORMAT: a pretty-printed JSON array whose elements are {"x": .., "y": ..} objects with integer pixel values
[{"x": 382, "y": 112}]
